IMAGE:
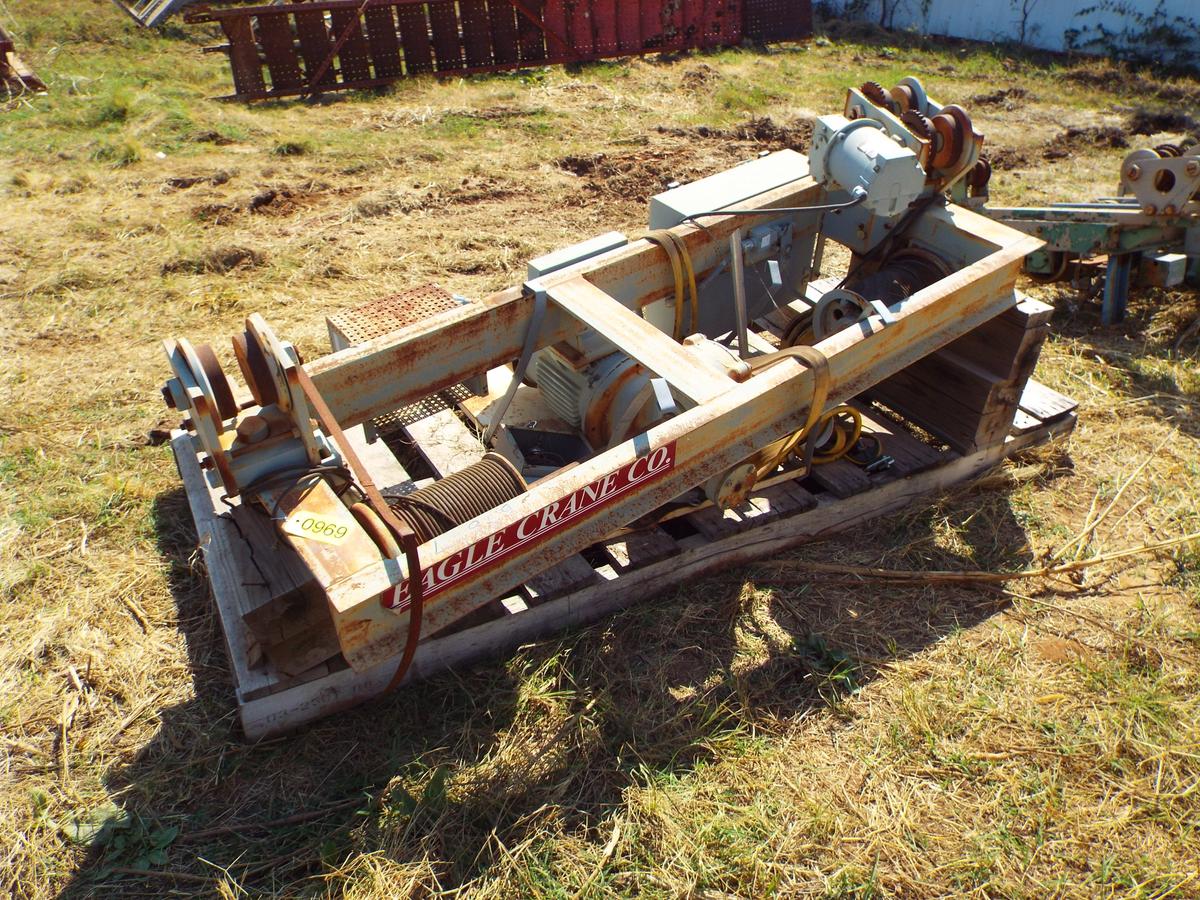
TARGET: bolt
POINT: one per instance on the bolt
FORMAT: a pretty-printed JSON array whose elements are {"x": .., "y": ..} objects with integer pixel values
[
  {"x": 1193, "y": 167},
  {"x": 1168, "y": 210},
  {"x": 1039, "y": 230},
  {"x": 1149, "y": 209},
  {"x": 1133, "y": 173}
]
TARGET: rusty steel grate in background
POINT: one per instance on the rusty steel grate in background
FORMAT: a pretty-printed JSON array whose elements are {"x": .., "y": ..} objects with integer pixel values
[{"x": 327, "y": 45}]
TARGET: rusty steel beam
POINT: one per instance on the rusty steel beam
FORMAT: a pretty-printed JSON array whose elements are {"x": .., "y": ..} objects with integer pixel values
[{"x": 295, "y": 49}]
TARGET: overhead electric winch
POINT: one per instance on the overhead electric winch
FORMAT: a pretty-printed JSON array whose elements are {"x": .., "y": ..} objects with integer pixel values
[{"x": 624, "y": 380}]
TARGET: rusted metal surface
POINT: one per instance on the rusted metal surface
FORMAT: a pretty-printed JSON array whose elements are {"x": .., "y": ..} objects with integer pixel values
[
  {"x": 16, "y": 77},
  {"x": 302, "y": 48}
]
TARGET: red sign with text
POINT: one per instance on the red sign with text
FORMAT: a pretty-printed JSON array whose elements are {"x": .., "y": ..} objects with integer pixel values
[{"x": 536, "y": 527}]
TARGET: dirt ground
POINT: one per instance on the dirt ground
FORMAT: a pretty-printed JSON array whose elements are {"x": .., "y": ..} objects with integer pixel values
[{"x": 772, "y": 730}]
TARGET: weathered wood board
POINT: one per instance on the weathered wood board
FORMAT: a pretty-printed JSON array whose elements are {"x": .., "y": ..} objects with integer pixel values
[{"x": 625, "y": 569}]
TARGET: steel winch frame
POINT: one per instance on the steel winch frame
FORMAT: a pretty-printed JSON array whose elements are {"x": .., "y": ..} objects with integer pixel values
[{"x": 726, "y": 418}]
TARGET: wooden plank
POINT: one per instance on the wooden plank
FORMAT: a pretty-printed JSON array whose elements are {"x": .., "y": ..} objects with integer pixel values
[
  {"x": 389, "y": 475},
  {"x": 279, "y": 49},
  {"x": 996, "y": 345},
  {"x": 288, "y": 710},
  {"x": 640, "y": 548},
  {"x": 414, "y": 35},
  {"x": 641, "y": 340},
  {"x": 227, "y": 562},
  {"x": 1044, "y": 403},
  {"x": 445, "y": 442},
  {"x": 570, "y": 574},
  {"x": 911, "y": 455},
  {"x": 841, "y": 478},
  {"x": 384, "y": 41}
]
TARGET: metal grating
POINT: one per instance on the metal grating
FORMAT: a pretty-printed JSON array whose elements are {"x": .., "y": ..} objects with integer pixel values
[
  {"x": 380, "y": 317},
  {"x": 287, "y": 49}
]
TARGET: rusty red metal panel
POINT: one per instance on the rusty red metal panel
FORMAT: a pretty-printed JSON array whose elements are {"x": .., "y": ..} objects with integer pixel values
[
  {"x": 384, "y": 41},
  {"x": 476, "y": 32},
  {"x": 414, "y": 36},
  {"x": 314, "y": 45},
  {"x": 776, "y": 20},
  {"x": 390, "y": 39},
  {"x": 243, "y": 57},
  {"x": 671, "y": 16},
  {"x": 354, "y": 61},
  {"x": 554, "y": 19},
  {"x": 503, "y": 18},
  {"x": 279, "y": 49},
  {"x": 629, "y": 26},
  {"x": 579, "y": 28},
  {"x": 443, "y": 21},
  {"x": 604, "y": 27},
  {"x": 693, "y": 22},
  {"x": 531, "y": 37},
  {"x": 651, "y": 28},
  {"x": 723, "y": 26}
]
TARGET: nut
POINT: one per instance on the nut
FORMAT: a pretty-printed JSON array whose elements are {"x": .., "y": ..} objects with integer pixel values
[
  {"x": 1133, "y": 173},
  {"x": 1193, "y": 167}
]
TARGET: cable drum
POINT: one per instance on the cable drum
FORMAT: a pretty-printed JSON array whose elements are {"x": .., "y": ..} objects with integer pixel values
[{"x": 459, "y": 497}]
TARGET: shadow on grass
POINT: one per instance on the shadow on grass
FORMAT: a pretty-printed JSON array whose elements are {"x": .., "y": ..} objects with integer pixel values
[{"x": 451, "y": 771}]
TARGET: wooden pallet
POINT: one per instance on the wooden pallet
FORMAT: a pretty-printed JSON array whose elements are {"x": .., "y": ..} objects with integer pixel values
[{"x": 625, "y": 569}]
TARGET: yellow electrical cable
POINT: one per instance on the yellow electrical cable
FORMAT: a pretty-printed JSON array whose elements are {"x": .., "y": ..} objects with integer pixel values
[
  {"x": 666, "y": 240},
  {"x": 681, "y": 265},
  {"x": 815, "y": 360},
  {"x": 847, "y": 429}
]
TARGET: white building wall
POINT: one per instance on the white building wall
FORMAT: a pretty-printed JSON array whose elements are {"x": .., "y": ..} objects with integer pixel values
[{"x": 1163, "y": 30}]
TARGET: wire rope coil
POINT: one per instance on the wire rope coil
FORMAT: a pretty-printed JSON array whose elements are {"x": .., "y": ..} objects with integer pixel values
[{"x": 459, "y": 497}]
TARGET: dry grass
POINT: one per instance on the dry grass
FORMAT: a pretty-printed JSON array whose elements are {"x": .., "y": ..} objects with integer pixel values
[{"x": 754, "y": 733}]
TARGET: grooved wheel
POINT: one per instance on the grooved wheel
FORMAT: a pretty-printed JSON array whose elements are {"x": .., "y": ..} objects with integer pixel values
[
  {"x": 218, "y": 381},
  {"x": 905, "y": 98},
  {"x": 966, "y": 134},
  {"x": 947, "y": 144},
  {"x": 253, "y": 364}
]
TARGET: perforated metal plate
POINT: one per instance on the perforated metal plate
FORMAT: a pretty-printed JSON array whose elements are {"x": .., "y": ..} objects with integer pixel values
[
  {"x": 391, "y": 313},
  {"x": 380, "y": 317}
]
